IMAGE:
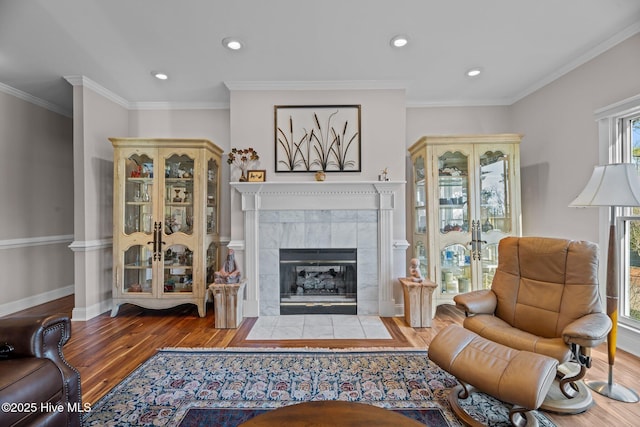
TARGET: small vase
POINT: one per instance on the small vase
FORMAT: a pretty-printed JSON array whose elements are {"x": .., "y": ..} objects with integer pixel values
[
  {"x": 320, "y": 176},
  {"x": 243, "y": 177}
]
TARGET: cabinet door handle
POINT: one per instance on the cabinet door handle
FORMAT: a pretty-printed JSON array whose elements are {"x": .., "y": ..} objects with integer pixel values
[
  {"x": 157, "y": 229},
  {"x": 153, "y": 242},
  {"x": 474, "y": 240},
  {"x": 159, "y": 238},
  {"x": 479, "y": 240}
]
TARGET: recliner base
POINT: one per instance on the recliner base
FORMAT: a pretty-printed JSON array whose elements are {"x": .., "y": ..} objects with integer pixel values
[
  {"x": 519, "y": 417},
  {"x": 557, "y": 402}
]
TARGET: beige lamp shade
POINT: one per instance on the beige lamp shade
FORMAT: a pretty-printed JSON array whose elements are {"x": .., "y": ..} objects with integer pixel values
[{"x": 616, "y": 184}]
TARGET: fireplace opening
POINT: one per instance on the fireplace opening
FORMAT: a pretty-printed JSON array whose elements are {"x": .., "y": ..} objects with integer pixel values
[{"x": 318, "y": 281}]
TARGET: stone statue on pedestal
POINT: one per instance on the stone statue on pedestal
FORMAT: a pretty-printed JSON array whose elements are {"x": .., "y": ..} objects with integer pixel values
[
  {"x": 414, "y": 270},
  {"x": 229, "y": 272}
]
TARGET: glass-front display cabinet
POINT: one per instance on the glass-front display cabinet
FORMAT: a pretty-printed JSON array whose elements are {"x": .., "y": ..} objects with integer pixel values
[
  {"x": 466, "y": 198},
  {"x": 420, "y": 215},
  {"x": 166, "y": 216}
]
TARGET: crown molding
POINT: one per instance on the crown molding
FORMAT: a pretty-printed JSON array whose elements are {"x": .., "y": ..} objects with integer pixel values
[
  {"x": 580, "y": 60},
  {"x": 99, "y": 89},
  {"x": 497, "y": 102},
  {"x": 316, "y": 85},
  {"x": 34, "y": 100},
  {"x": 178, "y": 105}
]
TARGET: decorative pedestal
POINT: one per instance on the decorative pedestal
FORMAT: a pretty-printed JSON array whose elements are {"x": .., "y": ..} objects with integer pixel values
[
  {"x": 227, "y": 301},
  {"x": 417, "y": 302}
]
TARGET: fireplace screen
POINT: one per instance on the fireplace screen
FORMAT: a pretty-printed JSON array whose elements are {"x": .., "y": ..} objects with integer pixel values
[{"x": 318, "y": 281}]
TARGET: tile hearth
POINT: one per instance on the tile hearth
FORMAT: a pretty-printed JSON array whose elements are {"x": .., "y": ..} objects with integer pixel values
[{"x": 295, "y": 327}]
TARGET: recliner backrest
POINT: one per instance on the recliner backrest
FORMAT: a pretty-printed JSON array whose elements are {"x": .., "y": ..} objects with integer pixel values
[{"x": 543, "y": 284}]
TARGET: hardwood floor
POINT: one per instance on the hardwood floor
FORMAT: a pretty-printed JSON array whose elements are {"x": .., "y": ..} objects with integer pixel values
[{"x": 105, "y": 350}]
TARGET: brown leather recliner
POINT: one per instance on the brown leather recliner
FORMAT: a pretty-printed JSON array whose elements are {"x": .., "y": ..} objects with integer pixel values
[
  {"x": 544, "y": 298},
  {"x": 37, "y": 385}
]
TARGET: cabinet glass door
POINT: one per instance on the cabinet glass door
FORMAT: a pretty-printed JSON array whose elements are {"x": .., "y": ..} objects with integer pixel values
[
  {"x": 495, "y": 200},
  {"x": 179, "y": 196},
  {"x": 212, "y": 262},
  {"x": 420, "y": 252},
  {"x": 453, "y": 192},
  {"x": 212, "y": 196},
  {"x": 176, "y": 247},
  {"x": 138, "y": 194},
  {"x": 495, "y": 216},
  {"x": 138, "y": 269},
  {"x": 455, "y": 267},
  {"x": 419, "y": 198},
  {"x": 178, "y": 269},
  {"x": 488, "y": 264},
  {"x": 420, "y": 214}
]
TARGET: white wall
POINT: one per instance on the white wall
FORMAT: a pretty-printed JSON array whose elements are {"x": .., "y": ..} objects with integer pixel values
[
  {"x": 382, "y": 127},
  {"x": 423, "y": 121},
  {"x": 560, "y": 147},
  {"x": 36, "y": 193}
]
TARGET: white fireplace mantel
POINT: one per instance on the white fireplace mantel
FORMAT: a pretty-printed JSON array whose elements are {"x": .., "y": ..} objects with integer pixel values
[
  {"x": 328, "y": 195},
  {"x": 318, "y": 195}
]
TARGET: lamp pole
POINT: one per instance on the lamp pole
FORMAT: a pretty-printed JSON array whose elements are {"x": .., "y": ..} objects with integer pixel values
[{"x": 609, "y": 388}]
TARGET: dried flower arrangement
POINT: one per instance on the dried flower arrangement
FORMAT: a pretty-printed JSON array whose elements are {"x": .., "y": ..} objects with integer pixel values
[{"x": 242, "y": 158}]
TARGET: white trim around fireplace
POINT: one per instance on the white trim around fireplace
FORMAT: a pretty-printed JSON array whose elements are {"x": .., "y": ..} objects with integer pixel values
[{"x": 378, "y": 196}]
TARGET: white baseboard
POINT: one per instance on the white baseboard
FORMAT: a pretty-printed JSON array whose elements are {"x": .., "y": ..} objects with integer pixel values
[
  {"x": 86, "y": 313},
  {"x": 23, "y": 304},
  {"x": 399, "y": 310}
]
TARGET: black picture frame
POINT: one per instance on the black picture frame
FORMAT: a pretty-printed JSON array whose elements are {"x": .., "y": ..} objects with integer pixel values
[
  {"x": 311, "y": 138},
  {"x": 256, "y": 175}
]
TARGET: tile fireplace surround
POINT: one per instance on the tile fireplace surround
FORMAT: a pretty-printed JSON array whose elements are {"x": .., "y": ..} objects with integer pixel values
[{"x": 353, "y": 214}]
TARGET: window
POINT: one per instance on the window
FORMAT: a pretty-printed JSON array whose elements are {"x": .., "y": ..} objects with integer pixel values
[
  {"x": 619, "y": 136},
  {"x": 629, "y": 148}
]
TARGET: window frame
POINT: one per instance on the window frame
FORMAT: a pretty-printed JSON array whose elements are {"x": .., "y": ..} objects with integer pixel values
[
  {"x": 624, "y": 124},
  {"x": 614, "y": 124}
]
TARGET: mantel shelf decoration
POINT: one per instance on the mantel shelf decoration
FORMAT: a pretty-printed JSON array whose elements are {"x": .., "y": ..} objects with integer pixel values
[
  {"x": 317, "y": 138},
  {"x": 243, "y": 158}
]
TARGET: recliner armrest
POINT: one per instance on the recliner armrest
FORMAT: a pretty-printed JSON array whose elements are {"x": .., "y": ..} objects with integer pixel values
[
  {"x": 483, "y": 301},
  {"x": 588, "y": 331},
  {"x": 36, "y": 336}
]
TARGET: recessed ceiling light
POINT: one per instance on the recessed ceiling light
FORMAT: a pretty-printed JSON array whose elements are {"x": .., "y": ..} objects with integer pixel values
[
  {"x": 474, "y": 72},
  {"x": 160, "y": 76},
  {"x": 232, "y": 43},
  {"x": 399, "y": 40}
]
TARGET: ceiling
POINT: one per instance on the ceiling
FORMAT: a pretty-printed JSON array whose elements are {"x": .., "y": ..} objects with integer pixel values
[{"x": 520, "y": 45}]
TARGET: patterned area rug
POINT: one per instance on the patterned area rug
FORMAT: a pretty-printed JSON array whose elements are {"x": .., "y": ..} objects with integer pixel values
[{"x": 175, "y": 385}]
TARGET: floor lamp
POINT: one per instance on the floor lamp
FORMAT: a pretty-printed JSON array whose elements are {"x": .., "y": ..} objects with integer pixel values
[{"x": 614, "y": 185}]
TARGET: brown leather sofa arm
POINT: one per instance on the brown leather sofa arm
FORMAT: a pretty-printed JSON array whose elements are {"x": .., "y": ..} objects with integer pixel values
[
  {"x": 44, "y": 337},
  {"x": 36, "y": 336},
  {"x": 483, "y": 301},
  {"x": 588, "y": 331}
]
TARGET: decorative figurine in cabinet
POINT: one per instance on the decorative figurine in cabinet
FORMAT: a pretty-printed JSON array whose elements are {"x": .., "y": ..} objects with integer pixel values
[
  {"x": 166, "y": 216},
  {"x": 466, "y": 197}
]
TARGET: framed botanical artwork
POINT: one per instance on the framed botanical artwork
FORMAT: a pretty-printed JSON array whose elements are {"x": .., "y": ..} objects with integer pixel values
[
  {"x": 256, "y": 176},
  {"x": 310, "y": 138}
]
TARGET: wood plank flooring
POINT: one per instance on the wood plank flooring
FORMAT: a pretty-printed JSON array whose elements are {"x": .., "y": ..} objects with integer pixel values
[{"x": 105, "y": 350}]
